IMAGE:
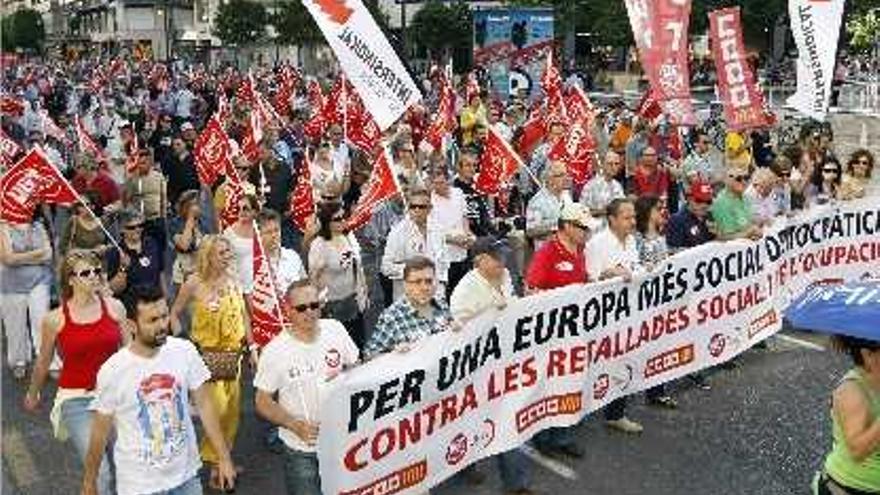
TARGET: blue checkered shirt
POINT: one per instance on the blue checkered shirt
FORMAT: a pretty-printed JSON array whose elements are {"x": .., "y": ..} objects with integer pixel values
[{"x": 401, "y": 323}]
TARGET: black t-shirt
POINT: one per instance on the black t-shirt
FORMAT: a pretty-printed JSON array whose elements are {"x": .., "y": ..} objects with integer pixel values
[
  {"x": 478, "y": 213},
  {"x": 181, "y": 175},
  {"x": 145, "y": 268},
  {"x": 685, "y": 230}
]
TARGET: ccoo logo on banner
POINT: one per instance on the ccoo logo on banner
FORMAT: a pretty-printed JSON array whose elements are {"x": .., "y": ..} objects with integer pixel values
[
  {"x": 404, "y": 422},
  {"x": 367, "y": 58}
]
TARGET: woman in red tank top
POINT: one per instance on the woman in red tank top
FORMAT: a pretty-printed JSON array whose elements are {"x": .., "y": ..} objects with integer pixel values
[{"x": 87, "y": 329}]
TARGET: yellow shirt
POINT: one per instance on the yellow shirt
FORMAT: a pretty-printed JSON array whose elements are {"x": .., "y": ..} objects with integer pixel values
[{"x": 219, "y": 326}]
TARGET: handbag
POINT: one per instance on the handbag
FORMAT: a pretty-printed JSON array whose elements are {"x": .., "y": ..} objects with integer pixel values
[{"x": 223, "y": 364}]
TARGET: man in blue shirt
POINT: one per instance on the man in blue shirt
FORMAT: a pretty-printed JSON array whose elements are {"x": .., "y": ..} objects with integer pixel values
[{"x": 690, "y": 226}]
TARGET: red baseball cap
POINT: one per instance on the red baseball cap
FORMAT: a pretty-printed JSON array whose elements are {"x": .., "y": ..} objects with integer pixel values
[{"x": 701, "y": 191}]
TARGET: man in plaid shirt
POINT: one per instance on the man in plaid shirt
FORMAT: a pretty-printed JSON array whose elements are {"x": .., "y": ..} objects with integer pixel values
[{"x": 413, "y": 317}]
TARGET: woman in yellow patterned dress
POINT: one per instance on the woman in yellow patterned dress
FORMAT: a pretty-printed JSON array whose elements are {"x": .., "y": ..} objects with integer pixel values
[{"x": 219, "y": 324}]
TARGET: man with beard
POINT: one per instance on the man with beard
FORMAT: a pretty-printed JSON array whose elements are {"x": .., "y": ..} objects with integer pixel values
[{"x": 143, "y": 393}]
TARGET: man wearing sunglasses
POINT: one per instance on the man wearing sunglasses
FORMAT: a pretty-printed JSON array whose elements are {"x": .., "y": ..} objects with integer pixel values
[
  {"x": 296, "y": 365},
  {"x": 415, "y": 236},
  {"x": 732, "y": 212}
]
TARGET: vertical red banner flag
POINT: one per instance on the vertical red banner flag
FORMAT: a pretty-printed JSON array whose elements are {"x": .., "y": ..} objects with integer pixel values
[
  {"x": 267, "y": 320},
  {"x": 381, "y": 187},
  {"x": 211, "y": 152},
  {"x": 302, "y": 200},
  {"x": 9, "y": 149},
  {"x": 742, "y": 100},
  {"x": 498, "y": 164},
  {"x": 32, "y": 181}
]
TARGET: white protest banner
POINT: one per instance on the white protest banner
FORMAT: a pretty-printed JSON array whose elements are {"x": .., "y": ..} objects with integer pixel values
[
  {"x": 366, "y": 57},
  {"x": 405, "y": 421},
  {"x": 815, "y": 25}
]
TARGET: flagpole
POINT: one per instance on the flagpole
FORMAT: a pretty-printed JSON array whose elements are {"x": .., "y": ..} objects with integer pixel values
[
  {"x": 79, "y": 198},
  {"x": 344, "y": 109}
]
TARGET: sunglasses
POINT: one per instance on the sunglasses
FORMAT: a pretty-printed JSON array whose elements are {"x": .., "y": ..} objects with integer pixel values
[
  {"x": 89, "y": 272},
  {"x": 739, "y": 178},
  {"x": 133, "y": 226},
  {"x": 829, "y": 171},
  {"x": 301, "y": 308},
  {"x": 419, "y": 207}
]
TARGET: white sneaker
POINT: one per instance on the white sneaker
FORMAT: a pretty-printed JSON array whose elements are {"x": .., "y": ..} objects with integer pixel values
[{"x": 625, "y": 425}]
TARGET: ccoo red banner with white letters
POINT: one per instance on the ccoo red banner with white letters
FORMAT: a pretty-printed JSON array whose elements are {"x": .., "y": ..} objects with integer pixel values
[
  {"x": 737, "y": 86},
  {"x": 404, "y": 422}
]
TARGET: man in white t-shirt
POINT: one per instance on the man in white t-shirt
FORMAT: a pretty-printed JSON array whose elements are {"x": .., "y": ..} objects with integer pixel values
[
  {"x": 296, "y": 365},
  {"x": 449, "y": 217},
  {"x": 143, "y": 393}
]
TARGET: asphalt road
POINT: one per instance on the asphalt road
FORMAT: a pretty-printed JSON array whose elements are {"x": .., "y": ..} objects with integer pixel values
[{"x": 762, "y": 429}]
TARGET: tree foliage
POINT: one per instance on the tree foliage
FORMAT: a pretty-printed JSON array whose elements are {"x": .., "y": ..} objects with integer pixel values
[
  {"x": 864, "y": 31},
  {"x": 440, "y": 28},
  {"x": 296, "y": 26},
  {"x": 23, "y": 29},
  {"x": 241, "y": 22}
]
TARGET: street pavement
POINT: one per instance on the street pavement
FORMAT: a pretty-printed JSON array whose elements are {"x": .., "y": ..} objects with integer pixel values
[{"x": 762, "y": 429}]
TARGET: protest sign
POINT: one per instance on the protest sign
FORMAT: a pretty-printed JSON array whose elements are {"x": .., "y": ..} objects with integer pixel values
[
  {"x": 815, "y": 26},
  {"x": 366, "y": 57},
  {"x": 406, "y": 421}
]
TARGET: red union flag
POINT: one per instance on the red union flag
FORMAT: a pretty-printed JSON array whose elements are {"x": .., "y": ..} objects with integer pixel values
[
  {"x": 245, "y": 93},
  {"x": 267, "y": 320},
  {"x": 234, "y": 196},
  {"x": 579, "y": 106},
  {"x": 498, "y": 164},
  {"x": 253, "y": 134},
  {"x": 576, "y": 149},
  {"x": 211, "y": 152},
  {"x": 362, "y": 129},
  {"x": 10, "y": 105},
  {"x": 533, "y": 131},
  {"x": 648, "y": 106},
  {"x": 9, "y": 149},
  {"x": 444, "y": 121},
  {"x": 381, "y": 187},
  {"x": 315, "y": 126},
  {"x": 739, "y": 93},
  {"x": 32, "y": 181},
  {"x": 85, "y": 142},
  {"x": 302, "y": 200},
  {"x": 551, "y": 83}
]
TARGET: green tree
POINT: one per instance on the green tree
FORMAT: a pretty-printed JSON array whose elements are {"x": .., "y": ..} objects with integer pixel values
[
  {"x": 440, "y": 29},
  {"x": 23, "y": 29},
  {"x": 296, "y": 26},
  {"x": 864, "y": 31},
  {"x": 241, "y": 22}
]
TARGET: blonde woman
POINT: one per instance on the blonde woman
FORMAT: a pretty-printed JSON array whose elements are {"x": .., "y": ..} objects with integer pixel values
[{"x": 220, "y": 328}]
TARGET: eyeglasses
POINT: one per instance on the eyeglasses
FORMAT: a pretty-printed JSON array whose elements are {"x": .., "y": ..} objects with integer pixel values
[
  {"x": 421, "y": 281},
  {"x": 829, "y": 171},
  {"x": 338, "y": 218},
  {"x": 89, "y": 272},
  {"x": 419, "y": 207},
  {"x": 739, "y": 178},
  {"x": 301, "y": 308},
  {"x": 133, "y": 226}
]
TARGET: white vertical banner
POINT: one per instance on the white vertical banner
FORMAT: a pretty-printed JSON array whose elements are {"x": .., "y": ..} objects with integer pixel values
[
  {"x": 367, "y": 58},
  {"x": 815, "y": 25}
]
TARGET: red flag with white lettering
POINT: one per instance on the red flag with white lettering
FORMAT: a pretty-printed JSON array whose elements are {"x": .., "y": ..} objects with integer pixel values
[
  {"x": 30, "y": 182},
  {"x": 302, "y": 200},
  {"x": 381, "y": 187},
  {"x": 10, "y": 105},
  {"x": 9, "y": 149},
  {"x": 578, "y": 105},
  {"x": 131, "y": 160},
  {"x": 224, "y": 113},
  {"x": 737, "y": 89},
  {"x": 211, "y": 152},
  {"x": 576, "y": 149},
  {"x": 253, "y": 134},
  {"x": 498, "y": 164},
  {"x": 551, "y": 83},
  {"x": 86, "y": 143},
  {"x": 234, "y": 190},
  {"x": 363, "y": 131},
  {"x": 648, "y": 106},
  {"x": 245, "y": 93},
  {"x": 533, "y": 131},
  {"x": 444, "y": 121},
  {"x": 267, "y": 320},
  {"x": 315, "y": 126}
]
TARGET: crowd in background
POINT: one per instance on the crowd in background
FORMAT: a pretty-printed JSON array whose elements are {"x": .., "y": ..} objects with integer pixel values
[{"x": 428, "y": 260}]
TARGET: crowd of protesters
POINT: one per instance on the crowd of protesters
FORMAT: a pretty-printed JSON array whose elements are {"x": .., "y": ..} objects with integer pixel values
[{"x": 139, "y": 296}]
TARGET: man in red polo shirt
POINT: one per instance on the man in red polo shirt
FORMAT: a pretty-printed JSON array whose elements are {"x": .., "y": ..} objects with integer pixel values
[
  {"x": 559, "y": 262},
  {"x": 89, "y": 177}
]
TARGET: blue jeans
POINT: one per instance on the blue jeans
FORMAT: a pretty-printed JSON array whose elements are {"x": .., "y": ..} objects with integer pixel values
[
  {"x": 192, "y": 486},
  {"x": 77, "y": 419},
  {"x": 301, "y": 473}
]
